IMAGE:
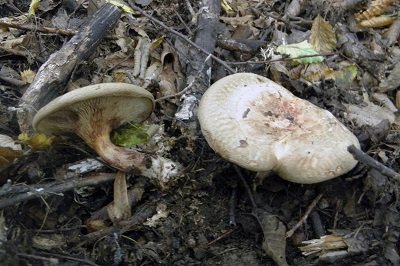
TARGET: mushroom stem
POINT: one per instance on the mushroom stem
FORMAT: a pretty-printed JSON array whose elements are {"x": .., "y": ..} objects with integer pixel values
[
  {"x": 157, "y": 168},
  {"x": 118, "y": 157}
]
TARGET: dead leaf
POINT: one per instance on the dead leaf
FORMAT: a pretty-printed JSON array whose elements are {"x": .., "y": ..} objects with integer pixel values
[
  {"x": 377, "y": 22},
  {"x": 274, "y": 243},
  {"x": 317, "y": 72},
  {"x": 368, "y": 114},
  {"x": 392, "y": 82},
  {"x": 322, "y": 38},
  {"x": 375, "y": 8},
  {"x": 120, "y": 209},
  {"x": 37, "y": 141},
  {"x": 9, "y": 151}
]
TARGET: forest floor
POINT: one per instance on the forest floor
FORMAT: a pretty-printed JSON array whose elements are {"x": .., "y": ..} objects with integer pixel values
[{"x": 58, "y": 203}]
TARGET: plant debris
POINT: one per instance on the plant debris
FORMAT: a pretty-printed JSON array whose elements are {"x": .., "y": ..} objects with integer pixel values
[{"x": 58, "y": 202}]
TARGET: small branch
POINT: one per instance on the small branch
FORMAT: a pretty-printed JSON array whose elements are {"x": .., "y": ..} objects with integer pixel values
[
  {"x": 232, "y": 206},
  {"x": 160, "y": 23},
  {"x": 304, "y": 217},
  {"x": 139, "y": 217},
  {"x": 38, "y": 28},
  {"x": 248, "y": 189},
  {"x": 20, "y": 53},
  {"x": 283, "y": 58},
  {"x": 364, "y": 158},
  {"x": 52, "y": 188}
]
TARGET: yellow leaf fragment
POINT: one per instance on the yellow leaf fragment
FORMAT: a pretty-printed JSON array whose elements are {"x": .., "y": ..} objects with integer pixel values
[
  {"x": 227, "y": 8},
  {"x": 157, "y": 42},
  {"x": 28, "y": 75},
  {"x": 322, "y": 38},
  {"x": 121, "y": 5},
  {"x": 37, "y": 141},
  {"x": 33, "y": 7},
  {"x": 302, "y": 53}
]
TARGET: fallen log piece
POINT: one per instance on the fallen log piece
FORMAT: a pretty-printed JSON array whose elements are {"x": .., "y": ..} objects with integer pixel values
[
  {"x": 199, "y": 68},
  {"x": 54, "y": 74}
]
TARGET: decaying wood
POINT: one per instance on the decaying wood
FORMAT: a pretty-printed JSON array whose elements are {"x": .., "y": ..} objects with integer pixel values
[
  {"x": 53, "y": 75},
  {"x": 51, "y": 188},
  {"x": 199, "y": 68}
]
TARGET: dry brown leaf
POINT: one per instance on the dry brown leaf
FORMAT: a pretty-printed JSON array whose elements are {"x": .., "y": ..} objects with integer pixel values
[
  {"x": 120, "y": 209},
  {"x": 398, "y": 99},
  {"x": 9, "y": 151},
  {"x": 376, "y": 22},
  {"x": 369, "y": 114},
  {"x": 376, "y": 8},
  {"x": 317, "y": 72},
  {"x": 274, "y": 243},
  {"x": 295, "y": 8},
  {"x": 322, "y": 38},
  {"x": 393, "y": 33}
]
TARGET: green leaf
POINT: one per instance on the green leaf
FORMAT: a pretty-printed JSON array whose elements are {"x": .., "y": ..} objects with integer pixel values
[
  {"x": 303, "y": 50},
  {"x": 130, "y": 135},
  {"x": 33, "y": 8}
]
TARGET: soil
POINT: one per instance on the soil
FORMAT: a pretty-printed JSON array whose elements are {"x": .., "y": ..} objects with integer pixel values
[{"x": 214, "y": 213}]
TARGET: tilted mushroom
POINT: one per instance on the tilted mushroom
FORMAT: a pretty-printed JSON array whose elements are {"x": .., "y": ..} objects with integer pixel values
[
  {"x": 261, "y": 126},
  {"x": 93, "y": 111}
]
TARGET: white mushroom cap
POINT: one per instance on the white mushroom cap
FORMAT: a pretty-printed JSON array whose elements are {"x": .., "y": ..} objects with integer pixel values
[{"x": 261, "y": 126}]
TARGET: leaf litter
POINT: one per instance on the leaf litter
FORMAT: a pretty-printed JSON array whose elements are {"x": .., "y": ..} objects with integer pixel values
[{"x": 342, "y": 56}]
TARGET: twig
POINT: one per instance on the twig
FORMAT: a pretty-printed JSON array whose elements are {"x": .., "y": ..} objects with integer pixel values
[
  {"x": 38, "y": 28},
  {"x": 64, "y": 257},
  {"x": 283, "y": 58},
  {"x": 224, "y": 235},
  {"x": 175, "y": 94},
  {"x": 20, "y": 53},
  {"x": 137, "y": 218},
  {"x": 364, "y": 158},
  {"x": 304, "y": 217},
  {"x": 43, "y": 29},
  {"x": 248, "y": 190},
  {"x": 41, "y": 190},
  {"x": 232, "y": 206},
  {"x": 183, "y": 22},
  {"x": 13, "y": 81},
  {"x": 317, "y": 224},
  {"x": 160, "y": 23}
]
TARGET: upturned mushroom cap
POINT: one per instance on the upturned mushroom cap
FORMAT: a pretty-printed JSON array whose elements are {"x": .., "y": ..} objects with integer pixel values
[
  {"x": 117, "y": 103},
  {"x": 92, "y": 112},
  {"x": 261, "y": 126}
]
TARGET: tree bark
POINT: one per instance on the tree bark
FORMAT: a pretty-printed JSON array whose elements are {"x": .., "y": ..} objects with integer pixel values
[{"x": 199, "y": 69}]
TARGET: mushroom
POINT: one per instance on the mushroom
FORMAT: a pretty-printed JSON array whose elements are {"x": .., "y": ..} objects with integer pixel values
[
  {"x": 261, "y": 126},
  {"x": 93, "y": 111}
]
